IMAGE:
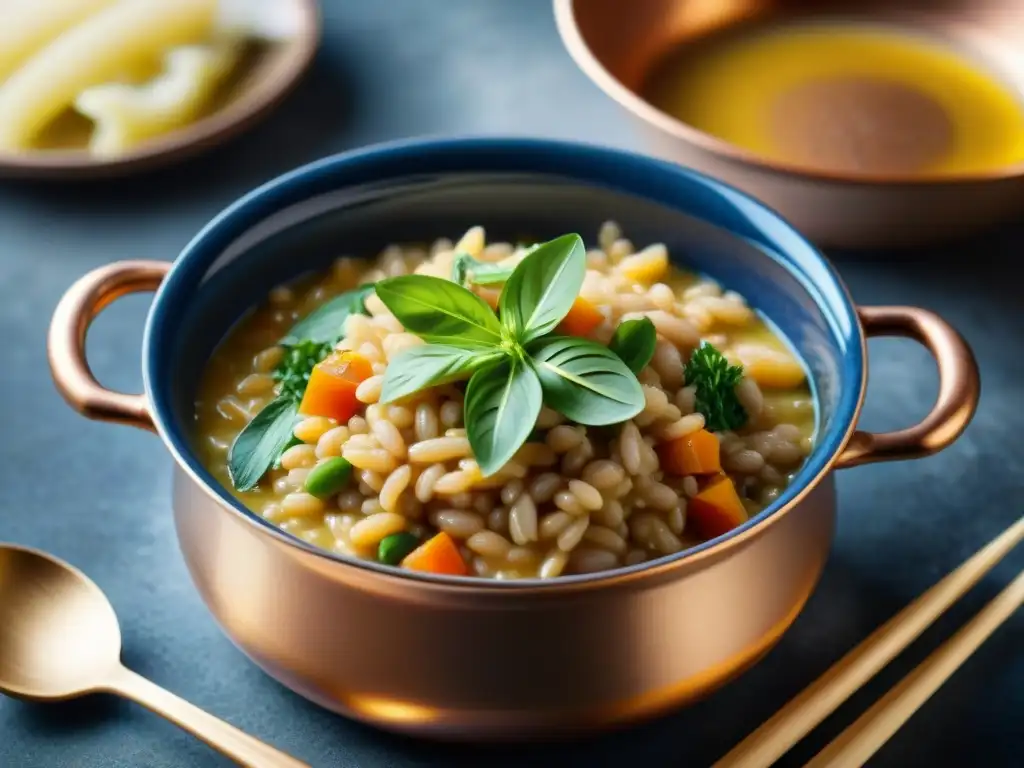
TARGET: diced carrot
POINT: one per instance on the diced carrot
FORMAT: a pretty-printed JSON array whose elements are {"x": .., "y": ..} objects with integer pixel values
[
  {"x": 694, "y": 454},
  {"x": 716, "y": 509},
  {"x": 489, "y": 295},
  {"x": 582, "y": 319},
  {"x": 439, "y": 554},
  {"x": 331, "y": 391}
]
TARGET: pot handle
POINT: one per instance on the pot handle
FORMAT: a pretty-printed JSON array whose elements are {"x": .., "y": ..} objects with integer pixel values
[
  {"x": 84, "y": 300},
  {"x": 959, "y": 387}
]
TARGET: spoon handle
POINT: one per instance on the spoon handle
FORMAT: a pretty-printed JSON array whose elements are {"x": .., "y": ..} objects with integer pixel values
[{"x": 226, "y": 739}]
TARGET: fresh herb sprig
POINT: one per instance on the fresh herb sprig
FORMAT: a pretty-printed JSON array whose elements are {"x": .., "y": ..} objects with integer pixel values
[
  {"x": 296, "y": 366},
  {"x": 715, "y": 380},
  {"x": 514, "y": 364},
  {"x": 326, "y": 323},
  {"x": 260, "y": 444},
  {"x": 634, "y": 342},
  {"x": 466, "y": 269}
]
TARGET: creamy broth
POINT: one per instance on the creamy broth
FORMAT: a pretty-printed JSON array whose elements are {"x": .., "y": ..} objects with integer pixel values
[
  {"x": 844, "y": 97},
  {"x": 639, "y": 512}
]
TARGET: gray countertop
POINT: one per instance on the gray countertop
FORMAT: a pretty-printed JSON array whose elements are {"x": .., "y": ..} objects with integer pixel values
[{"x": 98, "y": 495}]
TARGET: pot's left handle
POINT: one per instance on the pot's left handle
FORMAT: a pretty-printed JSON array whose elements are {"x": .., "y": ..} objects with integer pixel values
[{"x": 69, "y": 326}]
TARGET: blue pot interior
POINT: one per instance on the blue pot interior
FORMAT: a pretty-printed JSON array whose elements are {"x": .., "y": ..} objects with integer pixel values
[{"x": 300, "y": 224}]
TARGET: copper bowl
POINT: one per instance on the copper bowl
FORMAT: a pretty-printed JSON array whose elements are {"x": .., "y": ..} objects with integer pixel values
[
  {"x": 616, "y": 45},
  {"x": 472, "y": 658}
]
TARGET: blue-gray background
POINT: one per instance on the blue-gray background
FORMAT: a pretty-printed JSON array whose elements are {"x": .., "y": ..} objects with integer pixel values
[{"x": 98, "y": 495}]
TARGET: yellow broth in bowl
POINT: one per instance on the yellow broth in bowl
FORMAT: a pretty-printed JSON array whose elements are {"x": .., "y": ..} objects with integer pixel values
[
  {"x": 844, "y": 97},
  {"x": 505, "y": 410}
]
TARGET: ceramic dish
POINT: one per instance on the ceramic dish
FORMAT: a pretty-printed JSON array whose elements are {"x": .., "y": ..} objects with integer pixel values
[
  {"x": 617, "y": 46},
  {"x": 453, "y": 656},
  {"x": 266, "y": 77}
]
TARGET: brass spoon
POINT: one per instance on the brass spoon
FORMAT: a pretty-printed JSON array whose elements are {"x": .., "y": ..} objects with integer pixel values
[{"x": 59, "y": 639}]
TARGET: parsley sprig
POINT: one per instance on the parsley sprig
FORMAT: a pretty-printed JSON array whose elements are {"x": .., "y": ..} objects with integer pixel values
[
  {"x": 297, "y": 364},
  {"x": 715, "y": 380}
]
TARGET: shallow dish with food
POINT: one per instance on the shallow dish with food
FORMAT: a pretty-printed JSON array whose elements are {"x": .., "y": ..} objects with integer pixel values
[
  {"x": 516, "y": 655},
  {"x": 183, "y": 76},
  {"x": 865, "y": 124}
]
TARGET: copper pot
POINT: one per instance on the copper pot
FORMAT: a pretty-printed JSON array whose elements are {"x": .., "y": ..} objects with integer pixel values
[
  {"x": 616, "y": 44},
  {"x": 465, "y": 658}
]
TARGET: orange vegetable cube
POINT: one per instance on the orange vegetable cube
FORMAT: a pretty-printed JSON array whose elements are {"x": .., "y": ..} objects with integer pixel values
[
  {"x": 437, "y": 555},
  {"x": 331, "y": 391},
  {"x": 490, "y": 296},
  {"x": 582, "y": 319},
  {"x": 717, "y": 509},
  {"x": 694, "y": 454}
]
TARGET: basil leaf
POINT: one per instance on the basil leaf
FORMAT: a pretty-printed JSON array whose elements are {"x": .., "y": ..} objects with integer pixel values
[
  {"x": 634, "y": 342},
  {"x": 440, "y": 312},
  {"x": 429, "y": 365},
  {"x": 483, "y": 273},
  {"x": 501, "y": 407},
  {"x": 259, "y": 445},
  {"x": 543, "y": 287},
  {"x": 326, "y": 323},
  {"x": 586, "y": 382}
]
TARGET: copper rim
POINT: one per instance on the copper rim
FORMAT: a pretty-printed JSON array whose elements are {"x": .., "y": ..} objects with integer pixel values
[
  {"x": 223, "y": 124},
  {"x": 565, "y": 19},
  {"x": 958, "y": 396}
]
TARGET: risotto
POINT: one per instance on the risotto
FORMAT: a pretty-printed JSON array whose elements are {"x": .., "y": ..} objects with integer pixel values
[{"x": 505, "y": 410}]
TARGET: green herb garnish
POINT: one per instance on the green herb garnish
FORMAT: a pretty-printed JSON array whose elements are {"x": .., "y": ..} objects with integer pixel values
[
  {"x": 297, "y": 364},
  {"x": 715, "y": 380},
  {"x": 431, "y": 365},
  {"x": 466, "y": 269},
  {"x": 634, "y": 342},
  {"x": 260, "y": 444},
  {"x": 513, "y": 364},
  {"x": 441, "y": 312},
  {"x": 326, "y": 323},
  {"x": 502, "y": 404},
  {"x": 586, "y": 382},
  {"x": 542, "y": 288}
]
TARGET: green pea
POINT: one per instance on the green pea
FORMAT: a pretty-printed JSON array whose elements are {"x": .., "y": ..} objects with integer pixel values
[
  {"x": 329, "y": 477},
  {"x": 394, "y": 548}
]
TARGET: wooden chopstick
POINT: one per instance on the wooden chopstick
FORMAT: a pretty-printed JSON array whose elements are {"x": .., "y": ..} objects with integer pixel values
[
  {"x": 822, "y": 697},
  {"x": 853, "y": 747}
]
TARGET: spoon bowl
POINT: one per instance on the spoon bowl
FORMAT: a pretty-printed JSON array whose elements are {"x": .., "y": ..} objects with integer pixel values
[
  {"x": 59, "y": 636},
  {"x": 59, "y": 639}
]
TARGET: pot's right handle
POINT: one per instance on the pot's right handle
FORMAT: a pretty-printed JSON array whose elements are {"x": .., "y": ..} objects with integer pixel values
[
  {"x": 959, "y": 387},
  {"x": 66, "y": 344}
]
